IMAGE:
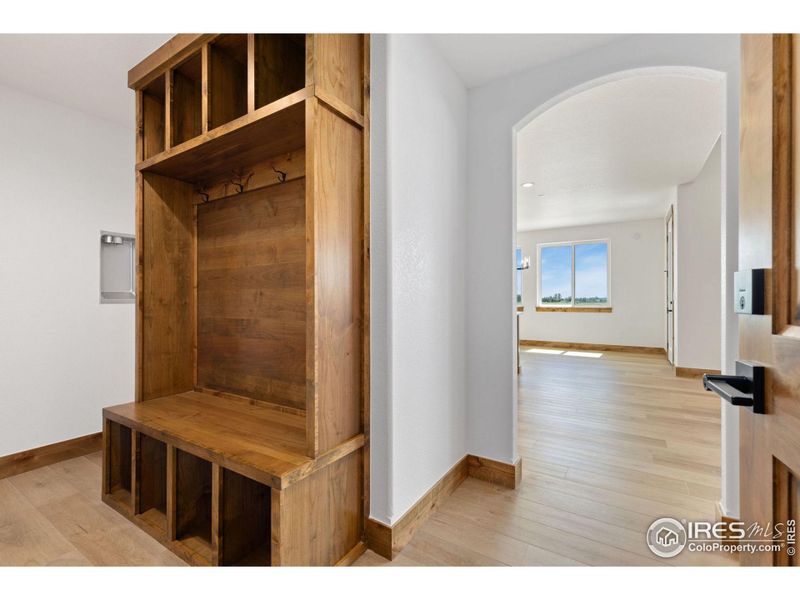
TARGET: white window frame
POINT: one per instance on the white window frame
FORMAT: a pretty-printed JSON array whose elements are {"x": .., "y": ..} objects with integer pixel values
[{"x": 572, "y": 245}]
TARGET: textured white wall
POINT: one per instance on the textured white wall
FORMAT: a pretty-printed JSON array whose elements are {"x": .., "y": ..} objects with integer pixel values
[
  {"x": 418, "y": 271},
  {"x": 697, "y": 256},
  {"x": 636, "y": 287},
  {"x": 64, "y": 176},
  {"x": 494, "y": 110}
]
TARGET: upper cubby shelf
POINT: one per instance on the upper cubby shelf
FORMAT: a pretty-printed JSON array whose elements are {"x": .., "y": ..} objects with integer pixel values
[
  {"x": 221, "y": 85},
  {"x": 275, "y": 129},
  {"x": 186, "y": 109},
  {"x": 279, "y": 66},
  {"x": 227, "y": 79}
]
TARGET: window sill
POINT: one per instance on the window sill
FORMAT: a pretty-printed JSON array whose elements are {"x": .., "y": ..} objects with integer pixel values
[{"x": 577, "y": 309}]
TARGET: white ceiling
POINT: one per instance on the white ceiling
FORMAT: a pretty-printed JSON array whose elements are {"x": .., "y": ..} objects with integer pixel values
[
  {"x": 615, "y": 152},
  {"x": 87, "y": 72},
  {"x": 480, "y": 58}
]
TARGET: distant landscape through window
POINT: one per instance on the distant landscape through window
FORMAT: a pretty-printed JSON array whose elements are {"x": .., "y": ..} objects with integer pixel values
[{"x": 576, "y": 271}]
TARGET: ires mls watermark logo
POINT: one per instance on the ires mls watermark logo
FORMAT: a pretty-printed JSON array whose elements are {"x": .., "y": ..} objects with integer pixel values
[{"x": 667, "y": 537}]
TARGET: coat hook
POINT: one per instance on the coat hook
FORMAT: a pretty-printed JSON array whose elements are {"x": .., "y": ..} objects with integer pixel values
[
  {"x": 239, "y": 187},
  {"x": 281, "y": 175},
  {"x": 204, "y": 196}
]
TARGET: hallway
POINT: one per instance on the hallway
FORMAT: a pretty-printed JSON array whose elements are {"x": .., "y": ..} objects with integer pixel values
[{"x": 609, "y": 443}]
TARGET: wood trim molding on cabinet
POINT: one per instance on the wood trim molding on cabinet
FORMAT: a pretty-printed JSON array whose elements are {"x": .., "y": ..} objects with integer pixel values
[
  {"x": 389, "y": 540},
  {"x": 35, "y": 458}
]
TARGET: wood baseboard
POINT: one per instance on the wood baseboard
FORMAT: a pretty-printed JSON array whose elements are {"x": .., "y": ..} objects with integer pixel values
[
  {"x": 352, "y": 556},
  {"x": 596, "y": 347},
  {"x": 690, "y": 372},
  {"x": 493, "y": 471},
  {"x": 35, "y": 458},
  {"x": 389, "y": 540}
]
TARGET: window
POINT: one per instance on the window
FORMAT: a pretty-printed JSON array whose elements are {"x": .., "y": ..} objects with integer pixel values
[{"x": 573, "y": 274}]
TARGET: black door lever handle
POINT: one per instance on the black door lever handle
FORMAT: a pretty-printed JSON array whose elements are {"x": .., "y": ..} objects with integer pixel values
[{"x": 746, "y": 388}]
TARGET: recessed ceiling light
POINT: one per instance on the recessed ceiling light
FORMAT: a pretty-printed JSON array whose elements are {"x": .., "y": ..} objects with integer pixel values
[{"x": 527, "y": 184}]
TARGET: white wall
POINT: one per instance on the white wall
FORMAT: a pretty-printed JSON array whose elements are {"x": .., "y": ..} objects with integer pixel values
[
  {"x": 64, "y": 176},
  {"x": 419, "y": 129},
  {"x": 494, "y": 109},
  {"x": 636, "y": 287},
  {"x": 697, "y": 272}
]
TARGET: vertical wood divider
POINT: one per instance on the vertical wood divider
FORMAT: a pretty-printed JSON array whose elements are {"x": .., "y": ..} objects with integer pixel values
[
  {"x": 205, "y": 58},
  {"x": 139, "y": 127},
  {"x": 168, "y": 110},
  {"x": 105, "y": 489},
  {"x": 139, "y": 203},
  {"x": 275, "y": 527},
  {"x": 172, "y": 492},
  {"x": 309, "y": 59},
  {"x": 251, "y": 72},
  {"x": 312, "y": 408},
  {"x": 136, "y": 456},
  {"x": 365, "y": 321},
  {"x": 195, "y": 304},
  {"x": 216, "y": 514}
]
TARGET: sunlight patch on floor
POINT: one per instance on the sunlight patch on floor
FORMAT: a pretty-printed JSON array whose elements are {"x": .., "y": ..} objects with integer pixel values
[{"x": 579, "y": 353}]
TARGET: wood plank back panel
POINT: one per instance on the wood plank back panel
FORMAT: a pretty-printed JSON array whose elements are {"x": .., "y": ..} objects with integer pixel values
[
  {"x": 251, "y": 294},
  {"x": 166, "y": 256},
  {"x": 318, "y": 520},
  {"x": 334, "y": 160},
  {"x": 337, "y": 66}
]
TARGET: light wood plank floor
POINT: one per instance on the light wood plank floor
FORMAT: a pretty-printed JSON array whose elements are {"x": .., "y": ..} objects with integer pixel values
[{"x": 608, "y": 444}]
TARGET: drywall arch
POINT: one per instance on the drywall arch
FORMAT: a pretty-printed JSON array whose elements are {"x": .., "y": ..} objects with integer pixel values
[{"x": 502, "y": 107}]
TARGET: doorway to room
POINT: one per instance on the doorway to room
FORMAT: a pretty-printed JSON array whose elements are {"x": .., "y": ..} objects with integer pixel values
[{"x": 619, "y": 188}]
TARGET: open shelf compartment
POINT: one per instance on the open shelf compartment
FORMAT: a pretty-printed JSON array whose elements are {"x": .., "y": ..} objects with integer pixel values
[
  {"x": 279, "y": 66},
  {"x": 118, "y": 455},
  {"x": 227, "y": 73},
  {"x": 193, "y": 502},
  {"x": 186, "y": 97},
  {"x": 151, "y": 481},
  {"x": 153, "y": 117},
  {"x": 244, "y": 535}
]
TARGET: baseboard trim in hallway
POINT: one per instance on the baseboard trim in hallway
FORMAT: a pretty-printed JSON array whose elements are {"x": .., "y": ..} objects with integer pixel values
[
  {"x": 596, "y": 347},
  {"x": 389, "y": 540},
  {"x": 690, "y": 372},
  {"x": 27, "y": 460},
  {"x": 493, "y": 471}
]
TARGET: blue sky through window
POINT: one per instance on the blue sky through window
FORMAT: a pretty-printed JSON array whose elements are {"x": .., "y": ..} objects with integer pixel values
[
  {"x": 556, "y": 274},
  {"x": 591, "y": 273},
  {"x": 590, "y": 279}
]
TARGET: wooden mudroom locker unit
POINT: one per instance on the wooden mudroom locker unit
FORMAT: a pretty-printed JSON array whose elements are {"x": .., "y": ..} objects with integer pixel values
[{"x": 247, "y": 443}]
